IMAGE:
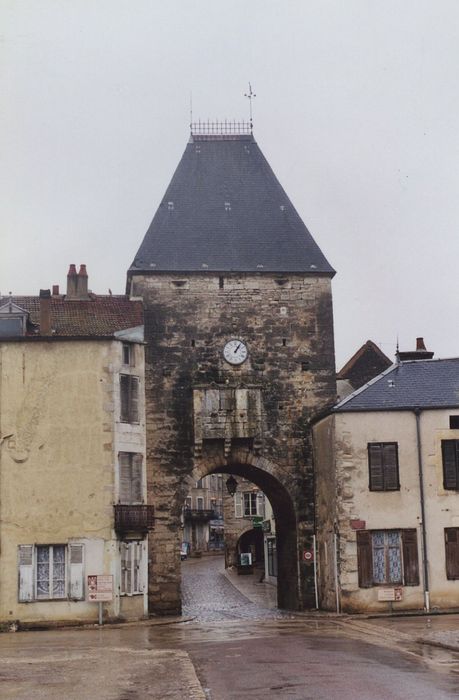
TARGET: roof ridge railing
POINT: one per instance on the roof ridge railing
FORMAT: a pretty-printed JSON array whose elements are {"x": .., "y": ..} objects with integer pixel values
[{"x": 224, "y": 127}]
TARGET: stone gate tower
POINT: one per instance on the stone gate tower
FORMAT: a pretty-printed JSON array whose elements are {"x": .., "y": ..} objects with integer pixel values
[{"x": 240, "y": 354}]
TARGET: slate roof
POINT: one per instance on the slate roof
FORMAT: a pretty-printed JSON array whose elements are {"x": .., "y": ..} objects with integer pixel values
[
  {"x": 99, "y": 316},
  {"x": 225, "y": 210},
  {"x": 408, "y": 385}
]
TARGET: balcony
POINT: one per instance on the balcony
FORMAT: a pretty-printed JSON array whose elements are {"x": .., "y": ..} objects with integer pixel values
[
  {"x": 134, "y": 518},
  {"x": 199, "y": 514}
]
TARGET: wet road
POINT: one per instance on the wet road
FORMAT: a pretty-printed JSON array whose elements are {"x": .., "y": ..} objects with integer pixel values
[{"x": 238, "y": 648}]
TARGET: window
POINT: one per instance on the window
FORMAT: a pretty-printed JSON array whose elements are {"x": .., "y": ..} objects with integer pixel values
[
  {"x": 450, "y": 453},
  {"x": 200, "y": 503},
  {"x": 387, "y": 557},
  {"x": 452, "y": 553},
  {"x": 454, "y": 422},
  {"x": 383, "y": 466},
  {"x": 132, "y": 558},
  {"x": 50, "y": 572},
  {"x": 130, "y": 466},
  {"x": 128, "y": 355},
  {"x": 249, "y": 504},
  {"x": 129, "y": 398}
]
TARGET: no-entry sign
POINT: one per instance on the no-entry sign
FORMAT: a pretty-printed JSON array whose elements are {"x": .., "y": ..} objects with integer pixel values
[{"x": 308, "y": 555}]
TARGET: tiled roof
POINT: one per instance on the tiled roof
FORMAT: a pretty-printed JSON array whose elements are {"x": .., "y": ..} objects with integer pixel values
[
  {"x": 408, "y": 385},
  {"x": 225, "y": 210},
  {"x": 366, "y": 363},
  {"x": 99, "y": 316}
]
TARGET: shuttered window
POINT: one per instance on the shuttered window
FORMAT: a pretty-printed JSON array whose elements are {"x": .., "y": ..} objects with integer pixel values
[
  {"x": 50, "y": 572},
  {"x": 130, "y": 471},
  {"x": 238, "y": 505},
  {"x": 383, "y": 466},
  {"x": 450, "y": 454},
  {"x": 452, "y": 553},
  {"x": 129, "y": 387},
  {"x": 132, "y": 579},
  {"x": 387, "y": 557}
]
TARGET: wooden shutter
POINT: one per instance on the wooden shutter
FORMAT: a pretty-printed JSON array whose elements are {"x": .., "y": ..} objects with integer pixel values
[
  {"x": 450, "y": 451},
  {"x": 25, "y": 572},
  {"x": 375, "y": 464},
  {"x": 390, "y": 466},
  {"x": 238, "y": 505},
  {"x": 76, "y": 581},
  {"x": 125, "y": 493},
  {"x": 136, "y": 486},
  {"x": 134, "y": 401},
  {"x": 124, "y": 396},
  {"x": 410, "y": 557},
  {"x": 364, "y": 559},
  {"x": 452, "y": 552}
]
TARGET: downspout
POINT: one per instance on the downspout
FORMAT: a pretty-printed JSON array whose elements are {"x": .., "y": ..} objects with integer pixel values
[{"x": 417, "y": 413}]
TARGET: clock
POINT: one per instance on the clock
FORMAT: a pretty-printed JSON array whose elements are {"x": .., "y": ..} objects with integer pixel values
[{"x": 235, "y": 352}]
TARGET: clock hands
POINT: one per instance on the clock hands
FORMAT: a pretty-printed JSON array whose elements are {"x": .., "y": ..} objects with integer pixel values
[{"x": 237, "y": 348}]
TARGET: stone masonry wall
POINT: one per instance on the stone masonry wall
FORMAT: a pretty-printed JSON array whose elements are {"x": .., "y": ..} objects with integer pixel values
[{"x": 286, "y": 322}]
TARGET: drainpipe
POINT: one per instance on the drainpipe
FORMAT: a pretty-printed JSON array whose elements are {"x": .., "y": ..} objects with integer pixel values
[{"x": 417, "y": 413}]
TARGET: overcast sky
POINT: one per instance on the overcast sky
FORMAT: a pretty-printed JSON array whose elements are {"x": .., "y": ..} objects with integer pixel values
[{"x": 357, "y": 111}]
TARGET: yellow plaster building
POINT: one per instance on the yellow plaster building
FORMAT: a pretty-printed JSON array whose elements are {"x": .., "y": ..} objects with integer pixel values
[{"x": 72, "y": 455}]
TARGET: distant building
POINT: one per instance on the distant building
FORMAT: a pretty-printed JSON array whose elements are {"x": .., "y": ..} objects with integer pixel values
[
  {"x": 72, "y": 454},
  {"x": 203, "y": 527},
  {"x": 387, "y": 480},
  {"x": 366, "y": 363}
]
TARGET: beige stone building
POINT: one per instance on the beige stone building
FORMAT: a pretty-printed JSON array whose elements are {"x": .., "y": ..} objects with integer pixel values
[
  {"x": 387, "y": 488},
  {"x": 203, "y": 525},
  {"x": 72, "y": 455}
]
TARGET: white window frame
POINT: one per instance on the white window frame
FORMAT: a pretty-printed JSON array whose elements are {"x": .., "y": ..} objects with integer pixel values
[{"x": 28, "y": 572}]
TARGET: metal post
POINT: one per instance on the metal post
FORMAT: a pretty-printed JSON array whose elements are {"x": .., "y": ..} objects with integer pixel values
[
  {"x": 101, "y": 613},
  {"x": 315, "y": 571},
  {"x": 417, "y": 413},
  {"x": 335, "y": 541}
]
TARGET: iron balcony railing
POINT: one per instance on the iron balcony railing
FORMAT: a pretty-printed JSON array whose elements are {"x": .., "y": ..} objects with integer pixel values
[
  {"x": 134, "y": 518},
  {"x": 199, "y": 514}
]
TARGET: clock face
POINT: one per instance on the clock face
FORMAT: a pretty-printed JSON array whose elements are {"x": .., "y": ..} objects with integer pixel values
[{"x": 235, "y": 352}]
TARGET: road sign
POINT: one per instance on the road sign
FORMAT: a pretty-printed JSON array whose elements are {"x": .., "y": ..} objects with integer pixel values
[
  {"x": 308, "y": 556},
  {"x": 100, "y": 588}
]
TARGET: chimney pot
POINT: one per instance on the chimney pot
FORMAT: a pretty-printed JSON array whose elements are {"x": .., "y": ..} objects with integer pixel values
[
  {"x": 420, "y": 344},
  {"x": 82, "y": 283},
  {"x": 72, "y": 280}
]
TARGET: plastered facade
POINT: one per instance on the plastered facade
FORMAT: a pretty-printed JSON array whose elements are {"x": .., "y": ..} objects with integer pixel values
[
  {"x": 60, "y": 434},
  {"x": 343, "y": 496}
]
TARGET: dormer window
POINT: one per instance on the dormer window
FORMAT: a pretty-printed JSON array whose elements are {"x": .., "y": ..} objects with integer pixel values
[{"x": 13, "y": 320}]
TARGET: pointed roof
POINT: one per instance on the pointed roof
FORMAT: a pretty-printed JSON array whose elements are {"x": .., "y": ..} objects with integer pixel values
[
  {"x": 225, "y": 210},
  {"x": 366, "y": 363}
]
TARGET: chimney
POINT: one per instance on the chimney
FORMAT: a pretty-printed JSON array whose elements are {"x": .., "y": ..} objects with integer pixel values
[
  {"x": 55, "y": 290},
  {"x": 82, "y": 284},
  {"x": 45, "y": 312},
  {"x": 421, "y": 353},
  {"x": 72, "y": 280}
]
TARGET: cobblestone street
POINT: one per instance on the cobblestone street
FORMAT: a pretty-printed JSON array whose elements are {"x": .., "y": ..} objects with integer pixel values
[{"x": 209, "y": 596}]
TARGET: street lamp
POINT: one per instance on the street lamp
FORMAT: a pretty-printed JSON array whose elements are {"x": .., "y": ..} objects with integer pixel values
[{"x": 231, "y": 485}]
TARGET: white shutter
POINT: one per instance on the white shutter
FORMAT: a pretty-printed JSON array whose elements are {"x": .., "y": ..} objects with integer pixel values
[
  {"x": 76, "y": 580},
  {"x": 137, "y": 559},
  {"x": 25, "y": 572},
  {"x": 124, "y": 554},
  {"x": 260, "y": 503},
  {"x": 124, "y": 459},
  {"x": 136, "y": 488},
  {"x": 238, "y": 505},
  {"x": 143, "y": 567}
]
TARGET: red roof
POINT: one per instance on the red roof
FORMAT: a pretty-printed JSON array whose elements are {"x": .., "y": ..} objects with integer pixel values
[{"x": 99, "y": 316}]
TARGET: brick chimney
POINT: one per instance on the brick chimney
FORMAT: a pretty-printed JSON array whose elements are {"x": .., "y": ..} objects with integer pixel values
[
  {"x": 72, "y": 280},
  {"x": 421, "y": 352},
  {"x": 82, "y": 285},
  {"x": 45, "y": 312},
  {"x": 77, "y": 283}
]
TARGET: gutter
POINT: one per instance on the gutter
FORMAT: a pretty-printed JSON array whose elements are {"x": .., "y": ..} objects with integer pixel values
[{"x": 417, "y": 413}]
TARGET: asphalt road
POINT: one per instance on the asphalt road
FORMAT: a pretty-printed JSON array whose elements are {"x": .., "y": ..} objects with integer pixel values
[{"x": 236, "y": 648}]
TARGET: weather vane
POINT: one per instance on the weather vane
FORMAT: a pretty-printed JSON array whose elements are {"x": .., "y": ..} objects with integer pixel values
[{"x": 250, "y": 95}]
